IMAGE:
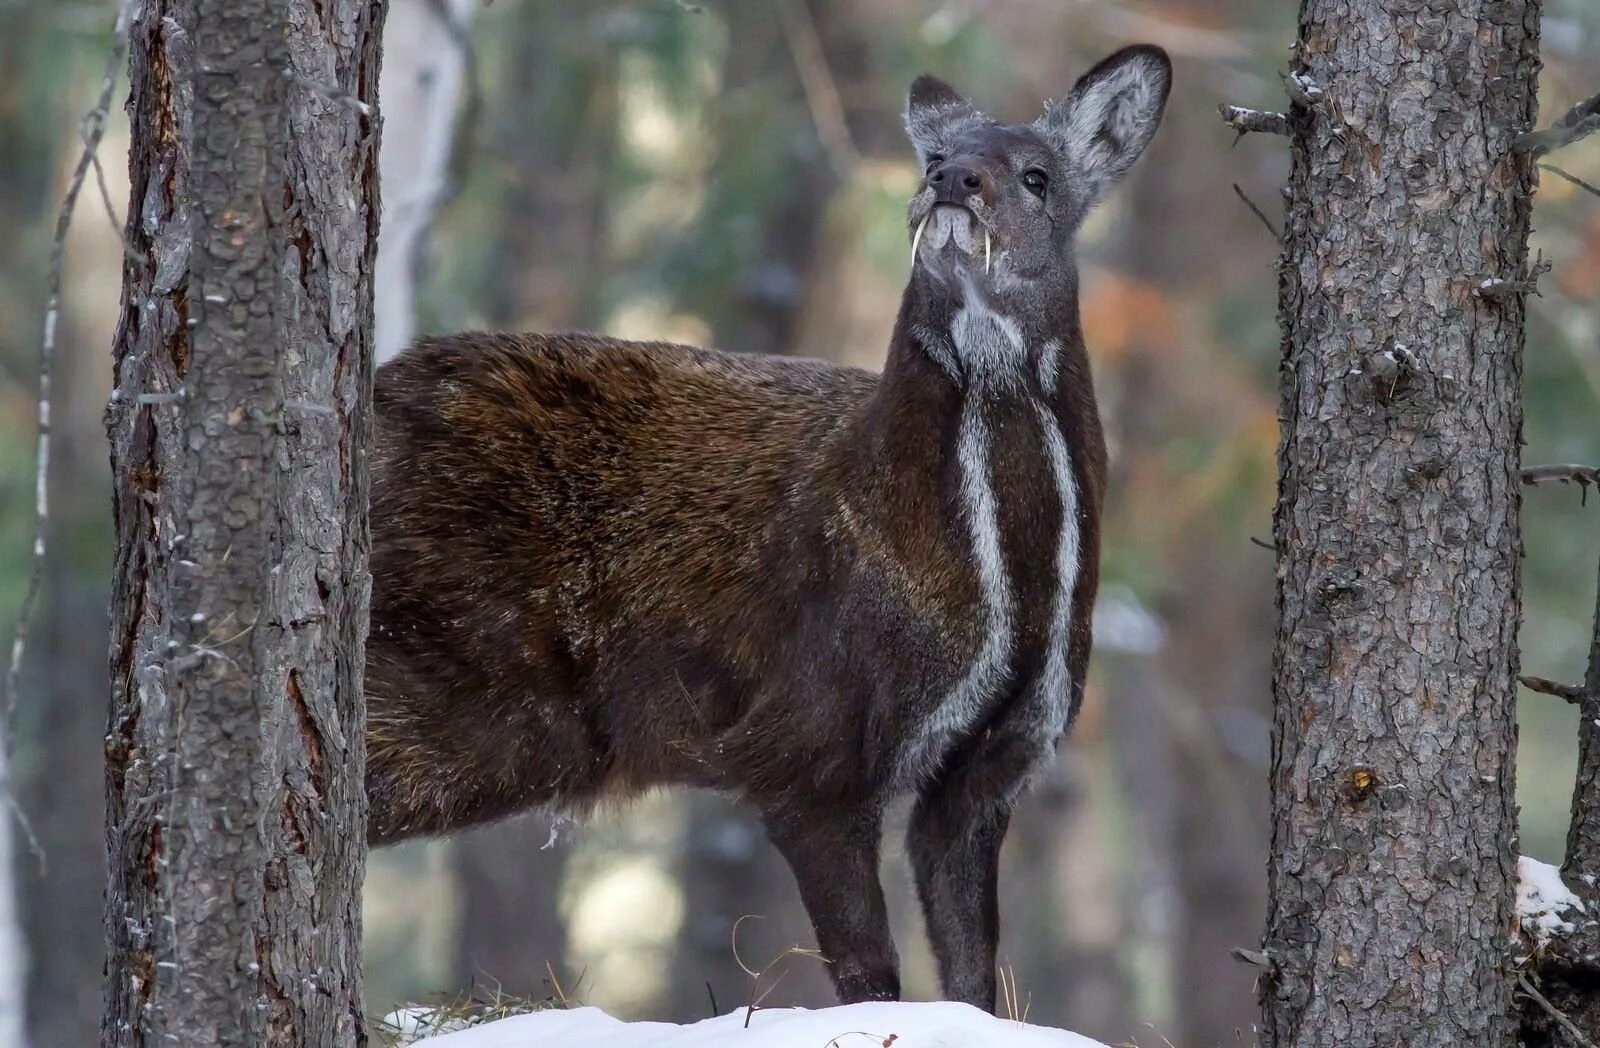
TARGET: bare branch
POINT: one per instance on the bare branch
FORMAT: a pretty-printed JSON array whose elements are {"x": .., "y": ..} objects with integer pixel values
[
  {"x": 1524, "y": 281},
  {"x": 1570, "y": 177},
  {"x": 1256, "y": 958},
  {"x": 464, "y": 136},
  {"x": 1251, "y": 204},
  {"x": 329, "y": 91},
  {"x": 105, "y": 192},
  {"x": 1565, "y": 472},
  {"x": 1566, "y": 1024},
  {"x": 1546, "y": 686},
  {"x": 94, "y": 128},
  {"x": 818, "y": 84},
  {"x": 1578, "y": 122},
  {"x": 1245, "y": 120}
]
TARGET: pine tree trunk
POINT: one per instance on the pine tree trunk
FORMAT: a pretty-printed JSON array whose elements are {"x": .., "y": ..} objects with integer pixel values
[
  {"x": 1397, "y": 525},
  {"x": 239, "y": 429},
  {"x": 1567, "y": 968}
]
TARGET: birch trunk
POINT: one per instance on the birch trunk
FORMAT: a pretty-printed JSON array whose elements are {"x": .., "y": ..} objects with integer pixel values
[
  {"x": 1397, "y": 525},
  {"x": 13, "y": 955},
  {"x": 239, "y": 429},
  {"x": 421, "y": 92}
]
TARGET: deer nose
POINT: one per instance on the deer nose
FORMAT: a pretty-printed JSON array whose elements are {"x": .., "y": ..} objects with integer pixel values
[{"x": 955, "y": 180}]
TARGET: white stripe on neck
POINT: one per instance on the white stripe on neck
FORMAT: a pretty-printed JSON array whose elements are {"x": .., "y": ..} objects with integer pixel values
[
  {"x": 989, "y": 345},
  {"x": 992, "y": 355},
  {"x": 960, "y": 708},
  {"x": 1055, "y": 684}
]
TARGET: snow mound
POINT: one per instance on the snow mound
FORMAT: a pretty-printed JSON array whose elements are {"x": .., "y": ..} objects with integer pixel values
[
  {"x": 1542, "y": 898},
  {"x": 874, "y": 1025}
]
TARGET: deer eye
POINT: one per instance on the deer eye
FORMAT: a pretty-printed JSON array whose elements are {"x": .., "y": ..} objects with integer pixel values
[
  {"x": 934, "y": 160},
  {"x": 1036, "y": 181}
]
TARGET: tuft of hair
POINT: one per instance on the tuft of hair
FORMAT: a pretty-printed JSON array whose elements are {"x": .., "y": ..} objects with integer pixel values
[
  {"x": 1110, "y": 115},
  {"x": 936, "y": 113}
]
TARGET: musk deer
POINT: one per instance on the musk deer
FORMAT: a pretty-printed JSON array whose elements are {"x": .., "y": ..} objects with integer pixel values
[{"x": 602, "y": 566}]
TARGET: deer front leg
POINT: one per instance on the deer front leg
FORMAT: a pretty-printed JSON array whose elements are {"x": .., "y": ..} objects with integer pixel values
[
  {"x": 834, "y": 856},
  {"x": 957, "y": 827}
]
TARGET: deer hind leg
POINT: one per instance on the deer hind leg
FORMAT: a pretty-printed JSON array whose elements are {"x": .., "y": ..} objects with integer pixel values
[
  {"x": 957, "y": 827},
  {"x": 834, "y": 856}
]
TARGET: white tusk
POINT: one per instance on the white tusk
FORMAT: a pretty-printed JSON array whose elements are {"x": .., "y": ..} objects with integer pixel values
[
  {"x": 917, "y": 238},
  {"x": 986, "y": 251}
]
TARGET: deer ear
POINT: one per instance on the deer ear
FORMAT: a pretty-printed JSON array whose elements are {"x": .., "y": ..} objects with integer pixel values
[
  {"x": 933, "y": 109},
  {"x": 1111, "y": 114}
]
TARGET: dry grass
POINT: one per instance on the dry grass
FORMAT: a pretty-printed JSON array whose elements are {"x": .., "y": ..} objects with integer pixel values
[{"x": 478, "y": 1005}]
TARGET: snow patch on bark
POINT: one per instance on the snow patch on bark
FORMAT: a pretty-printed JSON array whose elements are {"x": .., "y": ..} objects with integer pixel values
[
  {"x": 1543, "y": 899},
  {"x": 940, "y": 1024}
]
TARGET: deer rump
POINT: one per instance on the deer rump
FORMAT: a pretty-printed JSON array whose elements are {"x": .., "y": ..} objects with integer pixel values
[{"x": 600, "y": 566}]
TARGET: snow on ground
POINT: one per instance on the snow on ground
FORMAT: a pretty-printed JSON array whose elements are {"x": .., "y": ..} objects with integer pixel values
[
  {"x": 938, "y": 1024},
  {"x": 1542, "y": 899}
]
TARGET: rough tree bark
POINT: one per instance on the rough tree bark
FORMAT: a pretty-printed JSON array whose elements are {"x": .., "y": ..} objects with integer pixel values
[
  {"x": 1567, "y": 969},
  {"x": 1397, "y": 524},
  {"x": 1583, "y": 836},
  {"x": 239, "y": 428}
]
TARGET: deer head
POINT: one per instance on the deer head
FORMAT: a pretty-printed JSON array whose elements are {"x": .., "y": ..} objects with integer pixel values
[{"x": 1000, "y": 203}]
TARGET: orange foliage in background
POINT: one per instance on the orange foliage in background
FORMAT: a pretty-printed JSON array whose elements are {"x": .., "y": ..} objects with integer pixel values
[{"x": 1121, "y": 313}]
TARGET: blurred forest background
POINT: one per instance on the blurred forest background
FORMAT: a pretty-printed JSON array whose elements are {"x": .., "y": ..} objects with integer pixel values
[{"x": 734, "y": 173}]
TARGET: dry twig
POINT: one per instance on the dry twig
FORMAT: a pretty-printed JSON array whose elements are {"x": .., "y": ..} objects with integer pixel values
[
  {"x": 1555, "y": 1013},
  {"x": 1546, "y": 686},
  {"x": 1255, "y": 958},
  {"x": 1251, "y": 204},
  {"x": 1245, "y": 120},
  {"x": 757, "y": 994},
  {"x": 1570, "y": 177},
  {"x": 1525, "y": 281},
  {"x": 1566, "y": 473},
  {"x": 93, "y": 130}
]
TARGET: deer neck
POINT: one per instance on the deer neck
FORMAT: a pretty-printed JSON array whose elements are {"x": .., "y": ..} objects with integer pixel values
[
  {"x": 971, "y": 495},
  {"x": 964, "y": 460},
  {"x": 960, "y": 354}
]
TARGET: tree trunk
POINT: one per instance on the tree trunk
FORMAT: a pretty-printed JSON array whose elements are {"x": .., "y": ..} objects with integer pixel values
[
  {"x": 239, "y": 428},
  {"x": 1397, "y": 525},
  {"x": 1568, "y": 967},
  {"x": 1583, "y": 834}
]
